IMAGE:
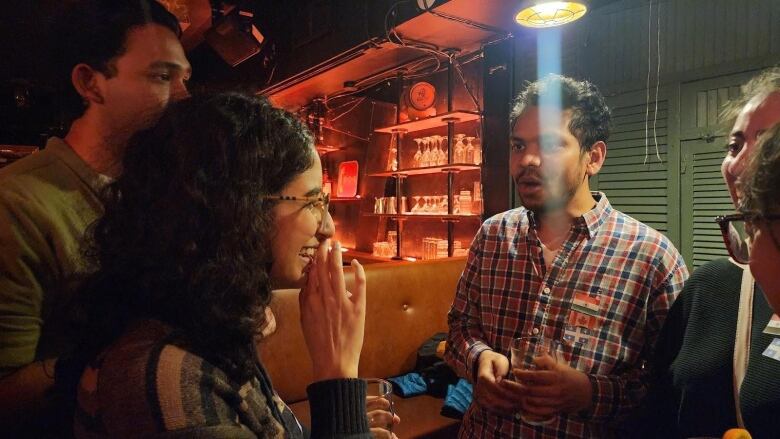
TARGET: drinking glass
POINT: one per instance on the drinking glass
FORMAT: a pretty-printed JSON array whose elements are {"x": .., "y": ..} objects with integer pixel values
[
  {"x": 392, "y": 154},
  {"x": 460, "y": 149},
  {"x": 426, "y": 155},
  {"x": 427, "y": 206},
  {"x": 477, "y": 151},
  {"x": 444, "y": 155},
  {"x": 524, "y": 351},
  {"x": 379, "y": 403},
  {"x": 469, "y": 150},
  {"x": 418, "y": 154},
  {"x": 442, "y": 205},
  {"x": 436, "y": 152},
  {"x": 416, "y": 208}
]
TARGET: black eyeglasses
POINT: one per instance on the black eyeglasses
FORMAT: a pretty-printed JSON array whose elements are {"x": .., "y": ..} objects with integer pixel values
[
  {"x": 737, "y": 228},
  {"x": 318, "y": 204}
]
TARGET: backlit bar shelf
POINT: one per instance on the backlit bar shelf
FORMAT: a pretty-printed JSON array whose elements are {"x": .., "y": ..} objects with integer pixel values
[
  {"x": 362, "y": 257},
  {"x": 325, "y": 149},
  {"x": 431, "y": 122},
  {"x": 455, "y": 168},
  {"x": 344, "y": 199},
  {"x": 407, "y": 216}
]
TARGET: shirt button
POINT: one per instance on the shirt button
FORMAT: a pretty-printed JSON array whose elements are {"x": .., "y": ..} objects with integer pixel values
[
  {"x": 535, "y": 331},
  {"x": 546, "y": 290}
]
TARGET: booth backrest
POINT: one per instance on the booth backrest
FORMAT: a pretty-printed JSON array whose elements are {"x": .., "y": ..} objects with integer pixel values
[{"x": 406, "y": 303}]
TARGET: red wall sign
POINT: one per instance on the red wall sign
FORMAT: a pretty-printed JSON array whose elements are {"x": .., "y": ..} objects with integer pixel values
[{"x": 348, "y": 179}]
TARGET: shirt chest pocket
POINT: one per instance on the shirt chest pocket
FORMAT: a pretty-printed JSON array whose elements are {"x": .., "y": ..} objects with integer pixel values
[{"x": 593, "y": 331}]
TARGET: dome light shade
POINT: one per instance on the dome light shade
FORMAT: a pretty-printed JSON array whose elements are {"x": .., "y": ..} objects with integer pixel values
[{"x": 549, "y": 14}]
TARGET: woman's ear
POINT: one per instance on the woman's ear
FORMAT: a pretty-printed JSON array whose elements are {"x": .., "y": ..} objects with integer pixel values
[
  {"x": 86, "y": 81},
  {"x": 596, "y": 157}
]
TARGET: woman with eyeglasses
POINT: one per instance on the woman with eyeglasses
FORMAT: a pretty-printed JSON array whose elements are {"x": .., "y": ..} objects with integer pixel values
[
  {"x": 760, "y": 209},
  {"x": 217, "y": 204},
  {"x": 711, "y": 370}
]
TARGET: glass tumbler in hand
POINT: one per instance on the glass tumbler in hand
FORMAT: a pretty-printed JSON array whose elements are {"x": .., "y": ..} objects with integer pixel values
[
  {"x": 379, "y": 403},
  {"x": 524, "y": 351}
]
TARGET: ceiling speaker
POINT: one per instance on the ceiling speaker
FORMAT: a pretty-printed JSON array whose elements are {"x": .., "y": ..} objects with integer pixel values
[{"x": 235, "y": 38}]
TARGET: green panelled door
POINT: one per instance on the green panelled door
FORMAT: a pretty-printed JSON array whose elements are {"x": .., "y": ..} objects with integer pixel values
[
  {"x": 704, "y": 196},
  {"x": 703, "y": 192},
  {"x": 633, "y": 178}
]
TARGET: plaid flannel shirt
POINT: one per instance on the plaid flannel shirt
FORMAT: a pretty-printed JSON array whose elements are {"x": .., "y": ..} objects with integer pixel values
[{"x": 627, "y": 274}]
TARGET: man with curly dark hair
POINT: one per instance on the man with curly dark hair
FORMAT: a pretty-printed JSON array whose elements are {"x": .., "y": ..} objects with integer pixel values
[
  {"x": 565, "y": 267},
  {"x": 118, "y": 62}
]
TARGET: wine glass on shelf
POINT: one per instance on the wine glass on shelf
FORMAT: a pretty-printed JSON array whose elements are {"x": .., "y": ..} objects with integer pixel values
[
  {"x": 436, "y": 152},
  {"x": 392, "y": 154},
  {"x": 460, "y": 149},
  {"x": 416, "y": 209},
  {"x": 442, "y": 153},
  {"x": 477, "y": 151},
  {"x": 418, "y": 154},
  {"x": 444, "y": 156},
  {"x": 443, "y": 205},
  {"x": 469, "y": 150},
  {"x": 426, "y": 156},
  {"x": 426, "y": 209}
]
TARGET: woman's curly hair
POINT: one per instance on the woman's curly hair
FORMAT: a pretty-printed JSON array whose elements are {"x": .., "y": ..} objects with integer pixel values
[{"x": 186, "y": 235}]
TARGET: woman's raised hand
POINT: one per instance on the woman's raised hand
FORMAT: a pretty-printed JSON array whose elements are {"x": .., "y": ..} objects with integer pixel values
[{"x": 332, "y": 318}]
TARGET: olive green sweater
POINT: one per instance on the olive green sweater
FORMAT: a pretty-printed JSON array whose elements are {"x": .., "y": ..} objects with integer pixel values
[{"x": 47, "y": 200}]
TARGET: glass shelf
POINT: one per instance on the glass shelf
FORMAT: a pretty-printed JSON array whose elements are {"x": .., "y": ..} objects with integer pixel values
[
  {"x": 344, "y": 200},
  {"x": 455, "y": 168},
  {"x": 363, "y": 257},
  {"x": 325, "y": 149},
  {"x": 431, "y": 122},
  {"x": 406, "y": 216}
]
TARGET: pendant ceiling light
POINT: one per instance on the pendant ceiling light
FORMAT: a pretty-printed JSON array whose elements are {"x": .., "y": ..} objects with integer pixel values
[{"x": 549, "y": 14}]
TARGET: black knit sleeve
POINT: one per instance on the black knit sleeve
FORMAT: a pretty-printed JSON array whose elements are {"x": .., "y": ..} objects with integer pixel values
[{"x": 338, "y": 409}]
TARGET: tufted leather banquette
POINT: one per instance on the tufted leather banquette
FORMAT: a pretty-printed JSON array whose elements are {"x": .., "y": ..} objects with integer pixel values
[{"x": 406, "y": 303}]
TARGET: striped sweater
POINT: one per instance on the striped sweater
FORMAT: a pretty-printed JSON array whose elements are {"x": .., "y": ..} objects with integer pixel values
[{"x": 144, "y": 385}]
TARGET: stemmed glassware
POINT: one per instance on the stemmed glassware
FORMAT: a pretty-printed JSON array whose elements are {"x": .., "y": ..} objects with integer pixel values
[
  {"x": 392, "y": 154},
  {"x": 443, "y": 205},
  {"x": 469, "y": 150},
  {"x": 427, "y": 206},
  {"x": 417, "y": 207},
  {"x": 426, "y": 156},
  {"x": 418, "y": 154},
  {"x": 477, "y": 151},
  {"x": 436, "y": 152},
  {"x": 444, "y": 157},
  {"x": 460, "y": 148}
]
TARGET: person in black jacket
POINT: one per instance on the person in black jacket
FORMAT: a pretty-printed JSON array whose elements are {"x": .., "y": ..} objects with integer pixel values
[{"x": 697, "y": 359}]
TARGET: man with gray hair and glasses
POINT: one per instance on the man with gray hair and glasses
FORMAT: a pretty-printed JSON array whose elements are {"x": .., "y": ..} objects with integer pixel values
[{"x": 712, "y": 371}]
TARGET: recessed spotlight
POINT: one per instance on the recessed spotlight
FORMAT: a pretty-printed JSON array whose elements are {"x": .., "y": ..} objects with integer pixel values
[{"x": 541, "y": 14}]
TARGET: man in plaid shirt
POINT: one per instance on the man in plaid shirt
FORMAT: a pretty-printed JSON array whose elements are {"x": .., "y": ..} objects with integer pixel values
[{"x": 566, "y": 266}]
